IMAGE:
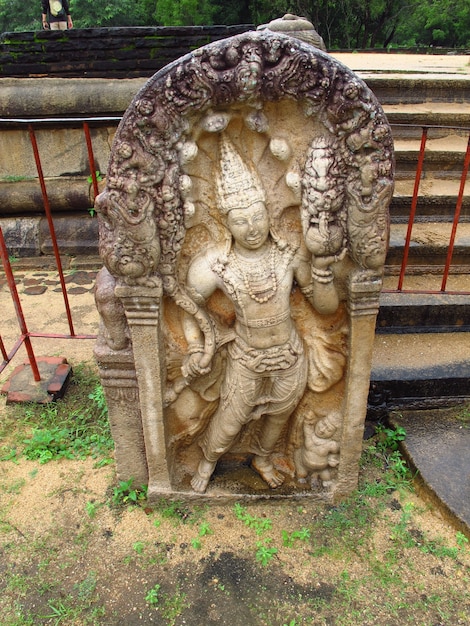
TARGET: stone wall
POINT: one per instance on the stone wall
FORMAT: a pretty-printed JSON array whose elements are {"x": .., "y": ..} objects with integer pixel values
[{"x": 104, "y": 52}]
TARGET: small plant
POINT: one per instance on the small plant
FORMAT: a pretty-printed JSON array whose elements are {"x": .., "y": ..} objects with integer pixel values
[
  {"x": 264, "y": 554},
  {"x": 173, "y": 606},
  {"x": 126, "y": 493},
  {"x": 289, "y": 539},
  {"x": 91, "y": 508},
  {"x": 98, "y": 176},
  {"x": 173, "y": 510},
  {"x": 99, "y": 399},
  {"x": 196, "y": 543},
  {"x": 462, "y": 540},
  {"x": 48, "y": 443},
  {"x": 138, "y": 547},
  {"x": 258, "y": 524},
  {"x": 205, "y": 529},
  {"x": 389, "y": 438},
  {"x": 153, "y": 595}
]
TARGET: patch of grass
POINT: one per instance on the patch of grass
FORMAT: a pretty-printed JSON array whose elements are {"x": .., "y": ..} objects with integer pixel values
[
  {"x": 170, "y": 606},
  {"x": 175, "y": 510},
  {"x": 72, "y": 428},
  {"x": 463, "y": 416}
]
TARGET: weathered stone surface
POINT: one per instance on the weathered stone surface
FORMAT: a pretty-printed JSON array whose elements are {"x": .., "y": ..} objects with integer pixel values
[
  {"x": 21, "y": 236},
  {"x": 436, "y": 445},
  {"x": 119, "y": 52},
  {"x": 244, "y": 229},
  {"x": 73, "y": 236},
  {"x": 63, "y": 152}
]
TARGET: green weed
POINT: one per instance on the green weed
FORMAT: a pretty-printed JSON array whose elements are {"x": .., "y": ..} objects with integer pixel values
[
  {"x": 258, "y": 524},
  {"x": 153, "y": 595},
  {"x": 73, "y": 428},
  {"x": 289, "y": 539},
  {"x": 264, "y": 554},
  {"x": 389, "y": 438},
  {"x": 126, "y": 493},
  {"x": 176, "y": 510}
]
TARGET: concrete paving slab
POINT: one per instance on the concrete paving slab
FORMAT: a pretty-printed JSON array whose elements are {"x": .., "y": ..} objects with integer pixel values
[{"x": 437, "y": 445}]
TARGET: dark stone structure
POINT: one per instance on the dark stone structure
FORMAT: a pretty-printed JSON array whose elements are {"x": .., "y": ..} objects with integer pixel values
[{"x": 104, "y": 52}]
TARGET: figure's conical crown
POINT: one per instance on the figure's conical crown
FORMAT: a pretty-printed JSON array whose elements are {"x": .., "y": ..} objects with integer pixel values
[{"x": 237, "y": 186}]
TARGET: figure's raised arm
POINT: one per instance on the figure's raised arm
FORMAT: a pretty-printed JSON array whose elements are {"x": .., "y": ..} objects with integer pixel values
[
  {"x": 316, "y": 281},
  {"x": 201, "y": 282}
]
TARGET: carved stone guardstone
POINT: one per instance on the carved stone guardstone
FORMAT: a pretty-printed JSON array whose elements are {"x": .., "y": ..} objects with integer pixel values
[{"x": 243, "y": 230}]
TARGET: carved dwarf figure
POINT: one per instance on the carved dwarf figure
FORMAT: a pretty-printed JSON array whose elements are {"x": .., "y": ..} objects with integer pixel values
[
  {"x": 266, "y": 368},
  {"x": 319, "y": 453}
]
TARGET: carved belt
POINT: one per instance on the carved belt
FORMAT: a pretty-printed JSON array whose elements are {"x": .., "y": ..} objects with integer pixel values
[
  {"x": 268, "y": 359},
  {"x": 266, "y": 321}
]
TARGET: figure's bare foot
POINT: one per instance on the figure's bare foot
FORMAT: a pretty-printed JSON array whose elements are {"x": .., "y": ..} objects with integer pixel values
[
  {"x": 202, "y": 476},
  {"x": 267, "y": 472}
]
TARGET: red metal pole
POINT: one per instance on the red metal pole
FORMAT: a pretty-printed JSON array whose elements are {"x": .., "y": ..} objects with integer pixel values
[
  {"x": 47, "y": 209},
  {"x": 455, "y": 223},
  {"x": 91, "y": 158},
  {"x": 3, "y": 350},
  {"x": 414, "y": 203},
  {"x": 19, "y": 311}
]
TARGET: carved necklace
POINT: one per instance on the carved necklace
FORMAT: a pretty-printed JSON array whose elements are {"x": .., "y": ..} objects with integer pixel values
[{"x": 255, "y": 275}]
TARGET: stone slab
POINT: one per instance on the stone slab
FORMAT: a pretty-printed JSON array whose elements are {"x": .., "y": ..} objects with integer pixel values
[
  {"x": 55, "y": 374},
  {"x": 436, "y": 445}
]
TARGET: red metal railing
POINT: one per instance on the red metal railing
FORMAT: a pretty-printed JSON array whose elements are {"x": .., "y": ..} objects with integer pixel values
[
  {"x": 412, "y": 216},
  {"x": 26, "y": 335}
]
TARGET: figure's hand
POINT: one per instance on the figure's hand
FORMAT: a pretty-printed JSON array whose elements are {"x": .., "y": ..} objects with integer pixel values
[
  {"x": 194, "y": 365},
  {"x": 323, "y": 262}
]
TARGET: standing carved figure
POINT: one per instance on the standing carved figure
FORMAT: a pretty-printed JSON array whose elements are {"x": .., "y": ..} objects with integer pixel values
[{"x": 266, "y": 369}]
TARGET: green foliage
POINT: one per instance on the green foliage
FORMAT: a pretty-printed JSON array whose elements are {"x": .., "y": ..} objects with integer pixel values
[
  {"x": 205, "y": 529},
  {"x": 73, "y": 428},
  {"x": 258, "y": 524},
  {"x": 126, "y": 493},
  {"x": 264, "y": 554},
  {"x": 347, "y": 24},
  {"x": 289, "y": 539},
  {"x": 185, "y": 12},
  {"x": 389, "y": 438},
  {"x": 47, "y": 444},
  {"x": 175, "y": 510},
  {"x": 153, "y": 595}
]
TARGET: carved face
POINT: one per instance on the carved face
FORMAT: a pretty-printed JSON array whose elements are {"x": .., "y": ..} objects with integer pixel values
[
  {"x": 324, "y": 429},
  {"x": 250, "y": 226}
]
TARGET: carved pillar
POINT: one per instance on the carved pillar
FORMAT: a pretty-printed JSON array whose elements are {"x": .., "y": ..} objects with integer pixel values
[
  {"x": 117, "y": 373},
  {"x": 363, "y": 303},
  {"x": 143, "y": 309}
]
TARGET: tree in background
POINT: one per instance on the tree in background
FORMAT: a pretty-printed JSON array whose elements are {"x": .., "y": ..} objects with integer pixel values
[
  {"x": 436, "y": 23},
  {"x": 20, "y": 15},
  {"x": 91, "y": 14},
  {"x": 342, "y": 23},
  {"x": 185, "y": 12}
]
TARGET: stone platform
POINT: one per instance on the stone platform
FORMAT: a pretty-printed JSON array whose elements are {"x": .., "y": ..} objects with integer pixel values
[{"x": 436, "y": 446}]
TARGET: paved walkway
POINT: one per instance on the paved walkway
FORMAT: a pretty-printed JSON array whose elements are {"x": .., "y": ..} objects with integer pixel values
[{"x": 410, "y": 65}]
